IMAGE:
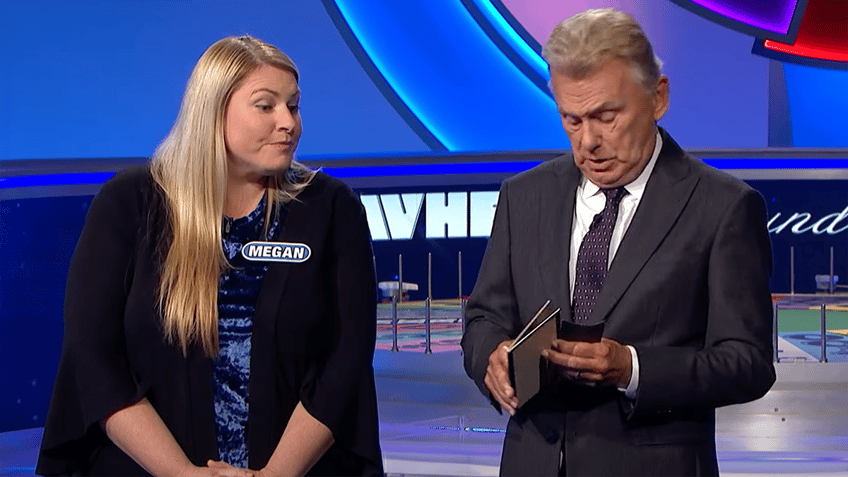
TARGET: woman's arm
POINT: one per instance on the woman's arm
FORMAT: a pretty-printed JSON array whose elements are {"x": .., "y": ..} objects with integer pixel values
[
  {"x": 140, "y": 433},
  {"x": 303, "y": 442}
]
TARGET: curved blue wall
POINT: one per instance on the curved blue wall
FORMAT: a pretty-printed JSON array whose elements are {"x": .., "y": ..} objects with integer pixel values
[{"x": 105, "y": 78}]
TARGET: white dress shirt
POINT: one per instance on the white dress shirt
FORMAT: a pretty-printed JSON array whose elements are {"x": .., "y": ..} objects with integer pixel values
[{"x": 590, "y": 202}]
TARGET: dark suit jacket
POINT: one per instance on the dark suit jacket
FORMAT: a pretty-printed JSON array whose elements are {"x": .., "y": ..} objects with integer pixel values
[
  {"x": 313, "y": 337},
  {"x": 688, "y": 288}
]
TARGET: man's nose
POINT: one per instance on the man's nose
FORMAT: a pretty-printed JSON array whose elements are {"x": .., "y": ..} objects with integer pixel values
[{"x": 590, "y": 137}]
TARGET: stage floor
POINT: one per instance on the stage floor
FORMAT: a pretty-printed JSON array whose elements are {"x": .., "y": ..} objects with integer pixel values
[{"x": 433, "y": 421}]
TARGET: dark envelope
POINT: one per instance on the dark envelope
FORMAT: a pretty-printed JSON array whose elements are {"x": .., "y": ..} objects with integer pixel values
[
  {"x": 527, "y": 369},
  {"x": 575, "y": 332}
]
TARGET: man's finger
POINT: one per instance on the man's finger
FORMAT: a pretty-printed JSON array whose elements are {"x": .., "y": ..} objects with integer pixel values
[
  {"x": 498, "y": 382},
  {"x": 579, "y": 348},
  {"x": 499, "y": 395},
  {"x": 506, "y": 391},
  {"x": 566, "y": 360}
]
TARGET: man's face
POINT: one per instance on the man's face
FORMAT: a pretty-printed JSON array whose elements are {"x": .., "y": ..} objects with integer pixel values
[{"x": 610, "y": 119}]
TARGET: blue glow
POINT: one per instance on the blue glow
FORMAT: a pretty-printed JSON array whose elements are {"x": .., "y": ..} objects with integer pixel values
[
  {"x": 817, "y": 105},
  {"x": 430, "y": 169},
  {"x": 55, "y": 179},
  {"x": 452, "y": 77},
  {"x": 515, "y": 167},
  {"x": 514, "y": 39},
  {"x": 359, "y": 29},
  {"x": 789, "y": 163},
  {"x": 443, "y": 169},
  {"x": 487, "y": 430}
]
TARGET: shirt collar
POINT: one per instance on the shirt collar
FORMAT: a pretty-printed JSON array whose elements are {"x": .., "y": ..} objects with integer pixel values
[{"x": 635, "y": 188}]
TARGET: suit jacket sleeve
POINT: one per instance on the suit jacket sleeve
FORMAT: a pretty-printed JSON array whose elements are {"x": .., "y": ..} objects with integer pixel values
[
  {"x": 492, "y": 306},
  {"x": 735, "y": 363},
  {"x": 94, "y": 378}
]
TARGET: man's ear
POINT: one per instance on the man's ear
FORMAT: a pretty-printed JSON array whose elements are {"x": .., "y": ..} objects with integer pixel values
[{"x": 661, "y": 98}]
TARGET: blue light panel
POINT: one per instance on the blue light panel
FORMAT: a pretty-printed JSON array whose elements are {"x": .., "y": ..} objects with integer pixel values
[
  {"x": 55, "y": 179},
  {"x": 513, "y": 38},
  {"x": 452, "y": 77},
  {"x": 443, "y": 169}
]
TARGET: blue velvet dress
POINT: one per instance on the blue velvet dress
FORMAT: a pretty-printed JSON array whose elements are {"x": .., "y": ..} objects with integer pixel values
[{"x": 237, "y": 293}]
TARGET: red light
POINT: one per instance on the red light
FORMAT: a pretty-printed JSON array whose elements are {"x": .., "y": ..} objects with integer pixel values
[
  {"x": 823, "y": 34},
  {"x": 807, "y": 51}
]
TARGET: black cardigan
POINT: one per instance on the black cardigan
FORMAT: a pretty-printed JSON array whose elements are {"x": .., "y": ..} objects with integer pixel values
[{"x": 313, "y": 337}]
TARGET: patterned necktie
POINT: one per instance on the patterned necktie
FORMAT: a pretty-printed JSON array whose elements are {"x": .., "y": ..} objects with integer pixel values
[{"x": 593, "y": 257}]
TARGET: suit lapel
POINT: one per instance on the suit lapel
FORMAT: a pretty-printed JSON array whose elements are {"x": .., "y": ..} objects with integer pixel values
[
  {"x": 666, "y": 194},
  {"x": 554, "y": 231}
]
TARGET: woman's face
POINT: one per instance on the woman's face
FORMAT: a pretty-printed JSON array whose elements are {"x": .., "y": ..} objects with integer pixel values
[{"x": 262, "y": 124}]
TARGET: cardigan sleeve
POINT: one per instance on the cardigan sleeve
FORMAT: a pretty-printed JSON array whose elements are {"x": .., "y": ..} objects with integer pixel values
[
  {"x": 343, "y": 374},
  {"x": 94, "y": 378}
]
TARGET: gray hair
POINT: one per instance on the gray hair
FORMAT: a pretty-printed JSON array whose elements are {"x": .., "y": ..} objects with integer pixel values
[{"x": 582, "y": 43}]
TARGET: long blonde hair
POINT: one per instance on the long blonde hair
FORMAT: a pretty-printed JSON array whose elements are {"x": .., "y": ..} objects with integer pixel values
[{"x": 190, "y": 166}]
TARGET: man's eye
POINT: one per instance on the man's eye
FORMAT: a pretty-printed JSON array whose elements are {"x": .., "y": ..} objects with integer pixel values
[
  {"x": 607, "y": 116},
  {"x": 572, "y": 120}
]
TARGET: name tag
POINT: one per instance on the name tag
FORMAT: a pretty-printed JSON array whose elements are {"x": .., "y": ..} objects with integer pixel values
[{"x": 276, "y": 252}]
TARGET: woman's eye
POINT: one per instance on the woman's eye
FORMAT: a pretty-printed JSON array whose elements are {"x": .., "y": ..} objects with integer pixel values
[
  {"x": 264, "y": 107},
  {"x": 294, "y": 108}
]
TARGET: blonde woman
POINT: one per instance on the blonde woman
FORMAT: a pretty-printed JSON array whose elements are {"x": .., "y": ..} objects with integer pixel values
[{"x": 220, "y": 306}]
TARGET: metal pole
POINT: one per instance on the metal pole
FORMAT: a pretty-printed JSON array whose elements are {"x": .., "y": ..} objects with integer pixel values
[
  {"x": 774, "y": 334},
  {"x": 462, "y": 303},
  {"x": 427, "y": 302},
  {"x": 394, "y": 324},
  {"x": 459, "y": 259},
  {"x": 831, "y": 271},
  {"x": 823, "y": 335},
  {"x": 430, "y": 275},
  {"x": 400, "y": 277},
  {"x": 792, "y": 269},
  {"x": 427, "y": 349}
]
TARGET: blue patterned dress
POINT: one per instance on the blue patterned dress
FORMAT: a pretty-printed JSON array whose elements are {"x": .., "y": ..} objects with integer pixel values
[{"x": 237, "y": 293}]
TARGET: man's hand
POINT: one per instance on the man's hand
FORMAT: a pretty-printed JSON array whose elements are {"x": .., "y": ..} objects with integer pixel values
[
  {"x": 592, "y": 364},
  {"x": 497, "y": 378}
]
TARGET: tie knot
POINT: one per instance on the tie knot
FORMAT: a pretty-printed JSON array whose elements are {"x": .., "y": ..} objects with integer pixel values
[{"x": 614, "y": 196}]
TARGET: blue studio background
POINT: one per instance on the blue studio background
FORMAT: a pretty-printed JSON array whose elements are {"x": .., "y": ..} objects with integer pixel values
[{"x": 104, "y": 79}]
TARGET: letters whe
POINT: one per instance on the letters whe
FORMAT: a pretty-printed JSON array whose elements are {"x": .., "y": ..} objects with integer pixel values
[{"x": 448, "y": 214}]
